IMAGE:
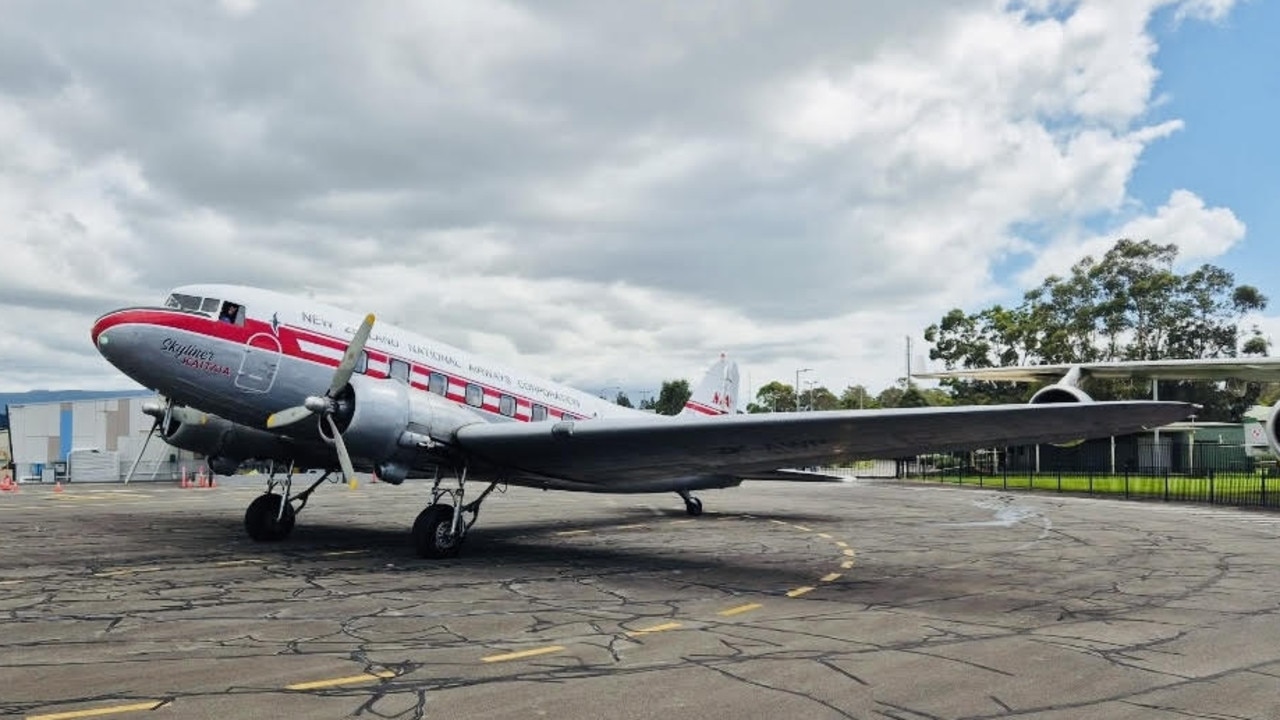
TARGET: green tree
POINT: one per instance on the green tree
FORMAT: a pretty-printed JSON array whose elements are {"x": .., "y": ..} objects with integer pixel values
[
  {"x": 1128, "y": 305},
  {"x": 672, "y": 397},
  {"x": 856, "y": 397},
  {"x": 773, "y": 397},
  {"x": 819, "y": 398},
  {"x": 622, "y": 400}
]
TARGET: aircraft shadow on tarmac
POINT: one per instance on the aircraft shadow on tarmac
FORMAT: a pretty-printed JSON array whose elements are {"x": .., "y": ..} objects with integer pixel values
[{"x": 533, "y": 545}]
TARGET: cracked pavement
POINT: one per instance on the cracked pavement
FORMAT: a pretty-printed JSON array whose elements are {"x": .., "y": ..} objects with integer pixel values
[{"x": 911, "y": 602}]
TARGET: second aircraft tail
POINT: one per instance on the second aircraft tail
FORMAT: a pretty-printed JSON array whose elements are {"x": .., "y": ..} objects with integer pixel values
[{"x": 717, "y": 394}]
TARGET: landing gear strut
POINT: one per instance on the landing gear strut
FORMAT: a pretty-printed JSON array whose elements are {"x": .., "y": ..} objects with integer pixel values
[
  {"x": 692, "y": 505},
  {"x": 439, "y": 530},
  {"x": 270, "y": 517}
]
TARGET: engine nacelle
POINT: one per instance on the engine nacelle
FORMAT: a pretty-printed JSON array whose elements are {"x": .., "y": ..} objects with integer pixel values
[
  {"x": 390, "y": 425},
  {"x": 1272, "y": 426},
  {"x": 225, "y": 443},
  {"x": 1060, "y": 393}
]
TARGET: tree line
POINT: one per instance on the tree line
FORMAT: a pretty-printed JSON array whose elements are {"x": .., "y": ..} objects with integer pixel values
[{"x": 1129, "y": 304}]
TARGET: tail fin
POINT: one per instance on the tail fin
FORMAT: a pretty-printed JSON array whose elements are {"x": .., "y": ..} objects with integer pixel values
[{"x": 717, "y": 394}]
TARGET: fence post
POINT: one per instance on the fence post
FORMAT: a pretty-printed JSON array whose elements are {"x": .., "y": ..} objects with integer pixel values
[
  {"x": 1211, "y": 487},
  {"x": 1126, "y": 483},
  {"x": 1264, "y": 488},
  {"x": 1166, "y": 486},
  {"x": 1059, "y": 481}
]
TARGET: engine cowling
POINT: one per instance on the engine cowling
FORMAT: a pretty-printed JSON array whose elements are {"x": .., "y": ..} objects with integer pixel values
[
  {"x": 1060, "y": 393},
  {"x": 225, "y": 443},
  {"x": 388, "y": 424},
  {"x": 1272, "y": 426}
]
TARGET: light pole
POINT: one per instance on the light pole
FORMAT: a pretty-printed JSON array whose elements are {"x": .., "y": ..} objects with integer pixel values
[{"x": 801, "y": 370}]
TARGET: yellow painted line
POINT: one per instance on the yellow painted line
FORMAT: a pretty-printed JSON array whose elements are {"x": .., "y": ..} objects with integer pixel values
[
  {"x": 630, "y": 527},
  {"x": 848, "y": 552},
  {"x": 349, "y": 680},
  {"x": 523, "y": 654},
  {"x": 847, "y": 564},
  {"x": 135, "y": 707},
  {"x": 832, "y": 577},
  {"x": 677, "y": 522},
  {"x": 127, "y": 571},
  {"x": 740, "y": 609},
  {"x": 841, "y": 543},
  {"x": 779, "y": 522},
  {"x": 824, "y": 536},
  {"x": 800, "y": 591},
  {"x": 656, "y": 628},
  {"x": 10, "y": 582},
  {"x": 573, "y": 532},
  {"x": 801, "y": 527},
  {"x": 229, "y": 563},
  {"x": 334, "y": 553}
]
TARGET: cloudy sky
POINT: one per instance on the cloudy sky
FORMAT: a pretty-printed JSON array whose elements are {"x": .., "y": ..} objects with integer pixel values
[{"x": 614, "y": 193}]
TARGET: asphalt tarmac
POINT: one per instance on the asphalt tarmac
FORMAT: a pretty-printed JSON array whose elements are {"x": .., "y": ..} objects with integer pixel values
[{"x": 857, "y": 600}]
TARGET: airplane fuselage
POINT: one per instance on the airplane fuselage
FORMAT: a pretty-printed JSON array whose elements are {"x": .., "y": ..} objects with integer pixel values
[{"x": 243, "y": 353}]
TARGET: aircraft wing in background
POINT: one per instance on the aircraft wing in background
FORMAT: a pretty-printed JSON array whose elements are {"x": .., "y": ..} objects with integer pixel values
[{"x": 1258, "y": 369}]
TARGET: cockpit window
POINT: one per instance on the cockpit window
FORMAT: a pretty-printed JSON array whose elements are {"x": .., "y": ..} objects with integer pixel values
[
  {"x": 231, "y": 313},
  {"x": 210, "y": 305},
  {"x": 183, "y": 302}
]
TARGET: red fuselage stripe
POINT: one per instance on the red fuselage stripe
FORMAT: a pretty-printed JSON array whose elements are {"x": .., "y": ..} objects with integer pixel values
[{"x": 291, "y": 339}]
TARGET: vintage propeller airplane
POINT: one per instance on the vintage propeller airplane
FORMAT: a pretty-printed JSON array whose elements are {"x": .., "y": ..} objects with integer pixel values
[{"x": 251, "y": 374}]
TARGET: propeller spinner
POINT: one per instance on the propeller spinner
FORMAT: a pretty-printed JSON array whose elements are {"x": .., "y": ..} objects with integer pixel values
[{"x": 325, "y": 405}]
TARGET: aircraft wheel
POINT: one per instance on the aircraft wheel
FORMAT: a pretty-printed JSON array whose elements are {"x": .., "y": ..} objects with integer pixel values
[
  {"x": 693, "y": 506},
  {"x": 263, "y": 521},
  {"x": 433, "y": 533}
]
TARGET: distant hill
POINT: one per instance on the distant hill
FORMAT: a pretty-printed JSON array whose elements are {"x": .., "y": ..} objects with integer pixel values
[{"x": 46, "y": 396}]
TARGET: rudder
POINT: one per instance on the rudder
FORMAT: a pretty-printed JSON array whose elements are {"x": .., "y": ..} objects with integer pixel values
[{"x": 717, "y": 394}]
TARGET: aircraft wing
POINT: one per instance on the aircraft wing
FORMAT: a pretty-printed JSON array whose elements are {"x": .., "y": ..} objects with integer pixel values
[
  {"x": 600, "y": 450},
  {"x": 1258, "y": 369}
]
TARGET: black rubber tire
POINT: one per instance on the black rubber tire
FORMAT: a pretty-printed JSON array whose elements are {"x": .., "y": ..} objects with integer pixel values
[
  {"x": 693, "y": 506},
  {"x": 260, "y": 519},
  {"x": 431, "y": 533}
]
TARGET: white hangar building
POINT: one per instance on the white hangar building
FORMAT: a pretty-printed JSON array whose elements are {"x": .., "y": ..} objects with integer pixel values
[{"x": 90, "y": 441}]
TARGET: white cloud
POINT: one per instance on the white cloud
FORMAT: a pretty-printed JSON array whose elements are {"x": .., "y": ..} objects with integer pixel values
[
  {"x": 1201, "y": 234},
  {"x": 611, "y": 192}
]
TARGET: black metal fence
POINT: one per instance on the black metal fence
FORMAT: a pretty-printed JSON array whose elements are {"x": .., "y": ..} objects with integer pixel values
[{"x": 1139, "y": 469}]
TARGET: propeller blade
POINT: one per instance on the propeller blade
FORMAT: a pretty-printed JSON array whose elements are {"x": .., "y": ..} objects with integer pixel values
[
  {"x": 344, "y": 459},
  {"x": 288, "y": 416},
  {"x": 141, "y": 451},
  {"x": 349, "y": 358}
]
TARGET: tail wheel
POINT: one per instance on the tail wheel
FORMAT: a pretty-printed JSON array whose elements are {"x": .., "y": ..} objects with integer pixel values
[{"x": 263, "y": 520}]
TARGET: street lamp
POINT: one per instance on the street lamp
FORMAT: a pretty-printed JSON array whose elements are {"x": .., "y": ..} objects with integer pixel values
[{"x": 801, "y": 370}]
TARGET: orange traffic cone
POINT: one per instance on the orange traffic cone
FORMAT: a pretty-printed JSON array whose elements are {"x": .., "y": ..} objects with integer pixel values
[{"x": 57, "y": 486}]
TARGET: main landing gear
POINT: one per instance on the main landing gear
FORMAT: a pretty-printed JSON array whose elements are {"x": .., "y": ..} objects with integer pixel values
[
  {"x": 440, "y": 529},
  {"x": 270, "y": 517},
  {"x": 692, "y": 505}
]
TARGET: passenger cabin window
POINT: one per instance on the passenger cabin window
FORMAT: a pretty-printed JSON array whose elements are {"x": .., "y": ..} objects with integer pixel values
[
  {"x": 362, "y": 363},
  {"x": 438, "y": 384},
  {"x": 507, "y": 405},
  {"x": 539, "y": 413},
  {"x": 232, "y": 313},
  {"x": 178, "y": 301},
  {"x": 400, "y": 371},
  {"x": 475, "y": 395}
]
